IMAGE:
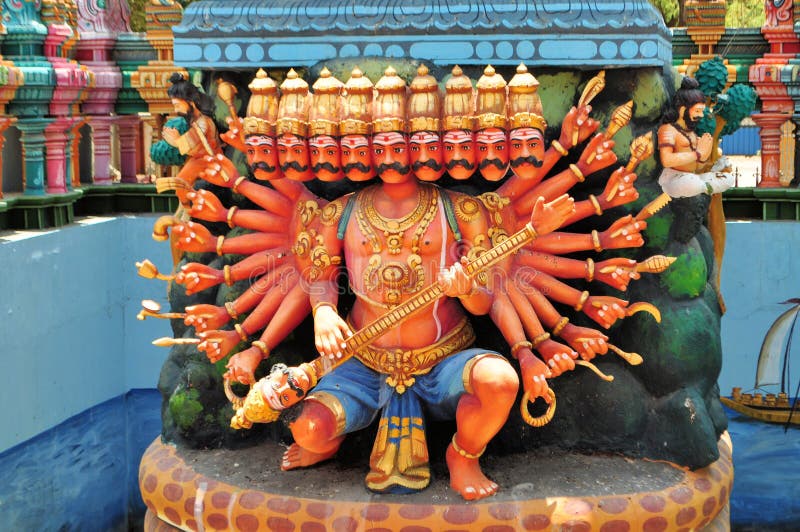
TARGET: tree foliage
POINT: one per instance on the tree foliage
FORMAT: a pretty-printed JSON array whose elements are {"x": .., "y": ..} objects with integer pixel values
[
  {"x": 745, "y": 14},
  {"x": 740, "y": 13},
  {"x": 670, "y": 10},
  {"x": 137, "y": 13}
]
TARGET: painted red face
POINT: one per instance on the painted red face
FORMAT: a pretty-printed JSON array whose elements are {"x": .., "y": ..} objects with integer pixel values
[
  {"x": 426, "y": 155},
  {"x": 459, "y": 153},
  {"x": 293, "y": 157},
  {"x": 390, "y": 156},
  {"x": 326, "y": 158},
  {"x": 527, "y": 152},
  {"x": 357, "y": 158},
  {"x": 492, "y": 144},
  {"x": 262, "y": 157}
]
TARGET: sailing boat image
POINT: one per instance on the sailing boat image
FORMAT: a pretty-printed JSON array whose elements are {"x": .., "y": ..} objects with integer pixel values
[{"x": 773, "y": 369}]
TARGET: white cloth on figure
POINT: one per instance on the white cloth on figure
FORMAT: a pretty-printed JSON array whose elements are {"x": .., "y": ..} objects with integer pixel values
[{"x": 680, "y": 184}]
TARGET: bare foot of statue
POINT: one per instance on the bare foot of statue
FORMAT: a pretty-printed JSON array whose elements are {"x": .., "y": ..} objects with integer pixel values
[
  {"x": 295, "y": 456},
  {"x": 467, "y": 478}
]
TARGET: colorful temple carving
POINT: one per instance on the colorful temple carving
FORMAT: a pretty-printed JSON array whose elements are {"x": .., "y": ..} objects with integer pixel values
[
  {"x": 767, "y": 77},
  {"x": 74, "y": 77}
]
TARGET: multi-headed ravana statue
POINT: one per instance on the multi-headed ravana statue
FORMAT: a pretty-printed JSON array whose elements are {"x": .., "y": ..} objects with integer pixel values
[{"x": 418, "y": 257}]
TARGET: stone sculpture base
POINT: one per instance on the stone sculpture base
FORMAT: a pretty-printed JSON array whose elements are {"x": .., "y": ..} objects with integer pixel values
[{"x": 540, "y": 490}]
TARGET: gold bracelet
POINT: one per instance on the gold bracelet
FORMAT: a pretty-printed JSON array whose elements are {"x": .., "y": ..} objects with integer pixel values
[
  {"x": 596, "y": 241},
  {"x": 231, "y": 310},
  {"x": 584, "y": 297},
  {"x": 262, "y": 347},
  {"x": 539, "y": 339},
  {"x": 226, "y": 270},
  {"x": 589, "y": 270},
  {"x": 238, "y": 182},
  {"x": 220, "y": 238},
  {"x": 231, "y": 212},
  {"x": 559, "y": 148},
  {"x": 322, "y": 304},
  {"x": 520, "y": 345},
  {"x": 241, "y": 331},
  {"x": 597, "y": 209},
  {"x": 560, "y": 326},
  {"x": 578, "y": 174},
  {"x": 464, "y": 453}
]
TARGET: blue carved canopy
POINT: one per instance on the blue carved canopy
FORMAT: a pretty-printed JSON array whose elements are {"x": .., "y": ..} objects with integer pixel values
[{"x": 236, "y": 34}]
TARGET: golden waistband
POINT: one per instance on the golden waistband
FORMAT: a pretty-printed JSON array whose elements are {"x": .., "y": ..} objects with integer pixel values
[{"x": 400, "y": 365}]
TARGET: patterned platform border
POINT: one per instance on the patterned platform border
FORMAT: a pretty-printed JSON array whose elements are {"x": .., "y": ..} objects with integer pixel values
[{"x": 181, "y": 497}]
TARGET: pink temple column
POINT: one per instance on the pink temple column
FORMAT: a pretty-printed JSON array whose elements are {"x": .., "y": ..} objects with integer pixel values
[
  {"x": 71, "y": 83},
  {"x": 129, "y": 128},
  {"x": 101, "y": 146},
  {"x": 777, "y": 106},
  {"x": 770, "y": 124},
  {"x": 99, "y": 24}
]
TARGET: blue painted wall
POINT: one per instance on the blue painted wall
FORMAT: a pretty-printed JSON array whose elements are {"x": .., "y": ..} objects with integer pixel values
[
  {"x": 761, "y": 268},
  {"x": 83, "y": 473},
  {"x": 70, "y": 340}
]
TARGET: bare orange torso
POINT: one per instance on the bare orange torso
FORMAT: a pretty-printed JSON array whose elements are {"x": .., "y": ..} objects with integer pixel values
[{"x": 393, "y": 249}]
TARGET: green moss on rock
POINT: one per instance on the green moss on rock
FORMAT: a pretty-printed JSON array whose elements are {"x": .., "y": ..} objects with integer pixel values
[
  {"x": 656, "y": 235},
  {"x": 558, "y": 93},
  {"x": 687, "y": 276},
  {"x": 185, "y": 407},
  {"x": 649, "y": 96}
]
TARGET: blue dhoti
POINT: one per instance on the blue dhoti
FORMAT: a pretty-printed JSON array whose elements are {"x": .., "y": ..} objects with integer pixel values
[{"x": 356, "y": 394}]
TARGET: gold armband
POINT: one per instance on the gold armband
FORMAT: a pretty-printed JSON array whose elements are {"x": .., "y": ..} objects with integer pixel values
[
  {"x": 262, "y": 347},
  {"x": 231, "y": 212},
  {"x": 322, "y": 304},
  {"x": 596, "y": 241},
  {"x": 520, "y": 345},
  {"x": 559, "y": 148},
  {"x": 238, "y": 182},
  {"x": 560, "y": 326},
  {"x": 241, "y": 331},
  {"x": 589, "y": 270},
  {"x": 220, "y": 238},
  {"x": 226, "y": 270},
  {"x": 578, "y": 174},
  {"x": 231, "y": 311},
  {"x": 597, "y": 209},
  {"x": 539, "y": 339},
  {"x": 584, "y": 297}
]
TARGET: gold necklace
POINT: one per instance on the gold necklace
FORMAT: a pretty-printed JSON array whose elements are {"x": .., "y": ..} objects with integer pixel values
[
  {"x": 392, "y": 228},
  {"x": 395, "y": 278}
]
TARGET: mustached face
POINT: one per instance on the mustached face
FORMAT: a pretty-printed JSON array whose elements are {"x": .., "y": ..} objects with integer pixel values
[
  {"x": 390, "y": 156},
  {"x": 182, "y": 108},
  {"x": 285, "y": 387},
  {"x": 493, "y": 153},
  {"x": 459, "y": 153},
  {"x": 262, "y": 157},
  {"x": 326, "y": 158},
  {"x": 693, "y": 114},
  {"x": 293, "y": 157},
  {"x": 427, "y": 156},
  {"x": 526, "y": 152},
  {"x": 357, "y": 158}
]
